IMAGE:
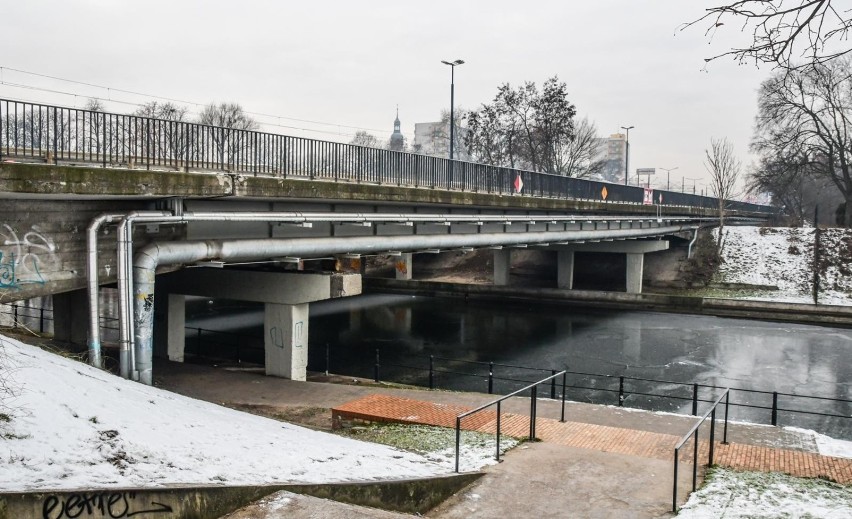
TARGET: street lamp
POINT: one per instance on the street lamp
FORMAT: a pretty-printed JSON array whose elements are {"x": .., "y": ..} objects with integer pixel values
[
  {"x": 669, "y": 177},
  {"x": 627, "y": 151},
  {"x": 452, "y": 65}
]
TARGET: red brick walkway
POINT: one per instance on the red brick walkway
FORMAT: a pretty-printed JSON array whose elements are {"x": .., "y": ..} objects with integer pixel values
[{"x": 384, "y": 408}]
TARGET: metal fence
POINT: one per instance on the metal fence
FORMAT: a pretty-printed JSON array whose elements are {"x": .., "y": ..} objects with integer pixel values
[{"x": 53, "y": 133}]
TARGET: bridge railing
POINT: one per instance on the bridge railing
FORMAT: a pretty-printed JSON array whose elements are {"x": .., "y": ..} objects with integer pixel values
[{"x": 53, "y": 133}]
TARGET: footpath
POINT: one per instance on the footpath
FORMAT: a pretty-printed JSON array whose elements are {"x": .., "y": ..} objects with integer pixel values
[{"x": 605, "y": 462}]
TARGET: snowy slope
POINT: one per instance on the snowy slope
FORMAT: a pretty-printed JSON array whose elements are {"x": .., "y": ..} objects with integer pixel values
[
  {"x": 783, "y": 257},
  {"x": 73, "y": 426}
]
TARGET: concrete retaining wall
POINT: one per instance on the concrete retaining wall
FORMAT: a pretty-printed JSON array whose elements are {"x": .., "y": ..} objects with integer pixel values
[
  {"x": 415, "y": 496},
  {"x": 784, "y": 312}
]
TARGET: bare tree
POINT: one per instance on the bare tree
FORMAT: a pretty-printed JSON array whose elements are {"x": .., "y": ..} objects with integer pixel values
[
  {"x": 231, "y": 124},
  {"x": 167, "y": 137},
  {"x": 365, "y": 139},
  {"x": 724, "y": 168},
  {"x": 780, "y": 32},
  {"x": 806, "y": 114},
  {"x": 582, "y": 156}
]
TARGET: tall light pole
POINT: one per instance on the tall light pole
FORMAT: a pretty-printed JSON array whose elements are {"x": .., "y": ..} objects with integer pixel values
[
  {"x": 669, "y": 177},
  {"x": 453, "y": 65},
  {"x": 627, "y": 151}
]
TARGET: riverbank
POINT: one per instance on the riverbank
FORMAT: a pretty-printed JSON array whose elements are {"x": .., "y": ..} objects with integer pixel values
[{"x": 833, "y": 315}]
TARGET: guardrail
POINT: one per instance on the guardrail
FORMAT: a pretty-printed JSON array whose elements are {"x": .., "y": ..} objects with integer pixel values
[
  {"x": 711, "y": 413},
  {"x": 54, "y": 133},
  {"x": 533, "y": 389}
]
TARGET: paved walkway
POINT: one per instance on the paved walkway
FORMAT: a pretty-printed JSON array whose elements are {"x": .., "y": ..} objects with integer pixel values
[
  {"x": 622, "y": 477},
  {"x": 597, "y": 437}
]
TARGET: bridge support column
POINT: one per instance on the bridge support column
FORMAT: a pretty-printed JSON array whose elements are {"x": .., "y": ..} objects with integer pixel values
[
  {"x": 404, "y": 266},
  {"x": 635, "y": 266},
  {"x": 285, "y": 340},
  {"x": 565, "y": 269},
  {"x": 175, "y": 326},
  {"x": 502, "y": 266},
  {"x": 70, "y": 316},
  {"x": 285, "y": 295}
]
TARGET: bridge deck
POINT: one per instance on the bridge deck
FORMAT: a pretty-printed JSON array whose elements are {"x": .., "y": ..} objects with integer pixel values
[{"x": 387, "y": 408}]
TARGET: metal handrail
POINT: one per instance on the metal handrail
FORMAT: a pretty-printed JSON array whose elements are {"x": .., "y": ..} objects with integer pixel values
[
  {"x": 694, "y": 432},
  {"x": 533, "y": 397},
  {"x": 48, "y": 132}
]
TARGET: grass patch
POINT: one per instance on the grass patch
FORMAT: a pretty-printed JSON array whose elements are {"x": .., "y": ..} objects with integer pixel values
[
  {"x": 426, "y": 439},
  {"x": 730, "y": 493}
]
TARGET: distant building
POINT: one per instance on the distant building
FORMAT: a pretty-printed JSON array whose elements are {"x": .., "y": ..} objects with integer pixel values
[
  {"x": 613, "y": 150},
  {"x": 397, "y": 141}
]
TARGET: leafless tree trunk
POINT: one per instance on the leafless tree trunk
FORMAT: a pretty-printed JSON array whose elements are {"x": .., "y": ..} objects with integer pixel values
[{"x": 724, "y": 168}]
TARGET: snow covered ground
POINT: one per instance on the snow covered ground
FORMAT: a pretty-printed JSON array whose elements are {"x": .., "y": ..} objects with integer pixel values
[
  {"x": 731, "y": 494},
  {"x": 783, "y": 257},
  {"x": 72, "y": 426}
]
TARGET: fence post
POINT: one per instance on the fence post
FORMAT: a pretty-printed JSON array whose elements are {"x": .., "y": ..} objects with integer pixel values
[
  {"x": 621, "y": 392},
  {"x": 775, "y": 408},
  {"x": 55, "y": 137},
  {"x": 41, "y": 320},
  {"x": 553, "y": 385},
  {"x": 564, "y": 376},
  {"x": 376, "y": 378},
  {"x": 15, "y": 316},
  {"x": 694, "y": 399},
  {"x": 431, "y": 372},
  {"x": 725, "y": 431},
  {"x": 695, "y": 463},
  {"x": 490, "y": 378}
]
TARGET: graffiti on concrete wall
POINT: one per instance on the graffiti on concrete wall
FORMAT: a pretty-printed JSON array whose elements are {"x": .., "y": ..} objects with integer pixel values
[
  {"x": 99, "y": 504},
  {"x": 24, "y": 257}
]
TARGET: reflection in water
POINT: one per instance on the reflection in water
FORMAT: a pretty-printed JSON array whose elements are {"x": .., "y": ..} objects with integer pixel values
[{"x": 721, "y": 352}]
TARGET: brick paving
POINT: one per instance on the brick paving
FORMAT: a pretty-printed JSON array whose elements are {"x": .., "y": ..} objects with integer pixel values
[{"x": 388, "y": 408}]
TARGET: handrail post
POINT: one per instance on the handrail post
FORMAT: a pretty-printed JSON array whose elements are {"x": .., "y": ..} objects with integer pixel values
[
  {"x": 458, "y": 441},
  {"x": 674, "y": 489},
  {"x": 725, "y": 431},
  {"x": 41, "y": 320},
  {"x": 490, "y": 378},
  {"x": 621, "y": 392},
  {"x": 695, "y": 462},
  {"x": 376, "y": 369},
  {"x": 564, "y": 375},
  {"x": 712, "y": 435},
  {"x": 431, "y": 372},
  {"x": 533, "y": 396},
  {"x": 553, "y": 385},
  {"x": 498, "y": 432},
  {"x": 694, "y": 399},
  {"x": 775, "y": 408}
]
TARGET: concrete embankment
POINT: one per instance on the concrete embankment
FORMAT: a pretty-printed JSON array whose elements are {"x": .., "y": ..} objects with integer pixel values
[{"x": 764, "y": 310}]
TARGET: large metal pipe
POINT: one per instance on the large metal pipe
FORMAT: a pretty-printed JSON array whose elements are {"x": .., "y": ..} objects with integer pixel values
[
  {"x": 92, "y": 285},
  {"x": 151, "y": 256}
]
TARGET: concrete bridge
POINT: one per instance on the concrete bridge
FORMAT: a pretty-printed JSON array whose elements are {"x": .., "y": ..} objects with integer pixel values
[{"x": 81, "y": 191}]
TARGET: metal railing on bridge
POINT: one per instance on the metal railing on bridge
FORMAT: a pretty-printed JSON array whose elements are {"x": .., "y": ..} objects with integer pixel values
[{"x": 52, "y": 133}]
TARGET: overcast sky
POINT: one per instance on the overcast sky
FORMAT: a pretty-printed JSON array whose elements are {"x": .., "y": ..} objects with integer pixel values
[{"x": 351, "y": 63}]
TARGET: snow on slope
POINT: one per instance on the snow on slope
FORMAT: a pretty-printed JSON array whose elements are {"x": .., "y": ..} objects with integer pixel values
[
  {"x": 73, "y": 426},
  {"x": 783, "y": 257}
]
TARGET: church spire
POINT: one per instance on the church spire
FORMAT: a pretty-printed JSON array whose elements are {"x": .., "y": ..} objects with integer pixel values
[{"x": 397, "y": 141}]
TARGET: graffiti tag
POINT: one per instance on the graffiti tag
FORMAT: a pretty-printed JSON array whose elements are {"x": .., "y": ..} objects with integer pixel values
[
  {"x": 101, "y": 504},
  {"x": 21, "y": 258}
]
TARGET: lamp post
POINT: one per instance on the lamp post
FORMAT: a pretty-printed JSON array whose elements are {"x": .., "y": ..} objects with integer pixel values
[
  {"x": 453, "y": 65},
  {"x": 669, "y": 177},
  {"x": 627, "y": 151}
]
